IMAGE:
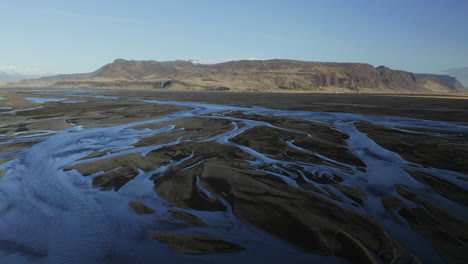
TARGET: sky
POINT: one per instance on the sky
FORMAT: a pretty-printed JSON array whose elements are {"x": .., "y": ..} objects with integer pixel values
[{"x": 66, "y": 36}]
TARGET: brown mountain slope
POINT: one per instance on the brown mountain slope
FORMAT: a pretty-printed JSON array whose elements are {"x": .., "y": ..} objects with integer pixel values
[{"x": 267, "y": 75}]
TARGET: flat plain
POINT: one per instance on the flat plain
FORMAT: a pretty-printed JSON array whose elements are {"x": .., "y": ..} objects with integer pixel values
[{"x": 170, "y": 177}]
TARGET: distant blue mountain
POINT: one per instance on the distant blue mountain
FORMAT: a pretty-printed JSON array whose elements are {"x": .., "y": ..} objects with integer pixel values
[{"x": 7, "y": 77}]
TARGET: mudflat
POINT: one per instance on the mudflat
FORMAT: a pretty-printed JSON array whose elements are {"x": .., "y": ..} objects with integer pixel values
[{"x": 229, "y": 177}]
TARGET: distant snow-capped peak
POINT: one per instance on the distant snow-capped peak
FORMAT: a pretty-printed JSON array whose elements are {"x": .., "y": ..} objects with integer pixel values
[
  {"x": 195, "y": 61},
  {"x": 23, "y": 71}
]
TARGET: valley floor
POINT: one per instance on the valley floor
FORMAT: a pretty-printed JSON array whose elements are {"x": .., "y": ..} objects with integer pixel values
[{"x": 170, "y": 177}]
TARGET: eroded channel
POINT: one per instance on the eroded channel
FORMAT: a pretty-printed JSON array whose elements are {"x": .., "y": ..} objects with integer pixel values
[{"x": 119, "y": 180}]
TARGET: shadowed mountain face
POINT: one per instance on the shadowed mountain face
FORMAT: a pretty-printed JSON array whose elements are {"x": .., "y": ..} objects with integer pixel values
[
  {"x": 439, "y": 82},
  {"x": 260, "y": 76}
]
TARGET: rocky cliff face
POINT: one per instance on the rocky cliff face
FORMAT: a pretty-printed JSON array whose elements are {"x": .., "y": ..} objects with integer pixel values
[
  {"x": 261, "y": 76},
  {"x": 441, "y": 80},
  {"x": 461, "y": 74}
]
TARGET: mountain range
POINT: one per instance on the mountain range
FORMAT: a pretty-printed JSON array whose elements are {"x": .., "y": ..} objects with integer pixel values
[
  {"x": 253, "y": 75},
  {"x": 15, "y": 74},
  {"x": 13, "y": 77}
]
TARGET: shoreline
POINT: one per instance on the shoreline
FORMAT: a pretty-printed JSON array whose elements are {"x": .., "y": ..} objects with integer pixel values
[{"x": 292, "y": 92}]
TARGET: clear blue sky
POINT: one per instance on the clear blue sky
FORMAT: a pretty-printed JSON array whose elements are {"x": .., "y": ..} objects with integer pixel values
[{"x": 67, "y": 36}]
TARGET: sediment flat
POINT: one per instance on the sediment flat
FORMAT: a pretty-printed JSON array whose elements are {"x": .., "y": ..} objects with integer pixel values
[{"x": 230, "y": 177}]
